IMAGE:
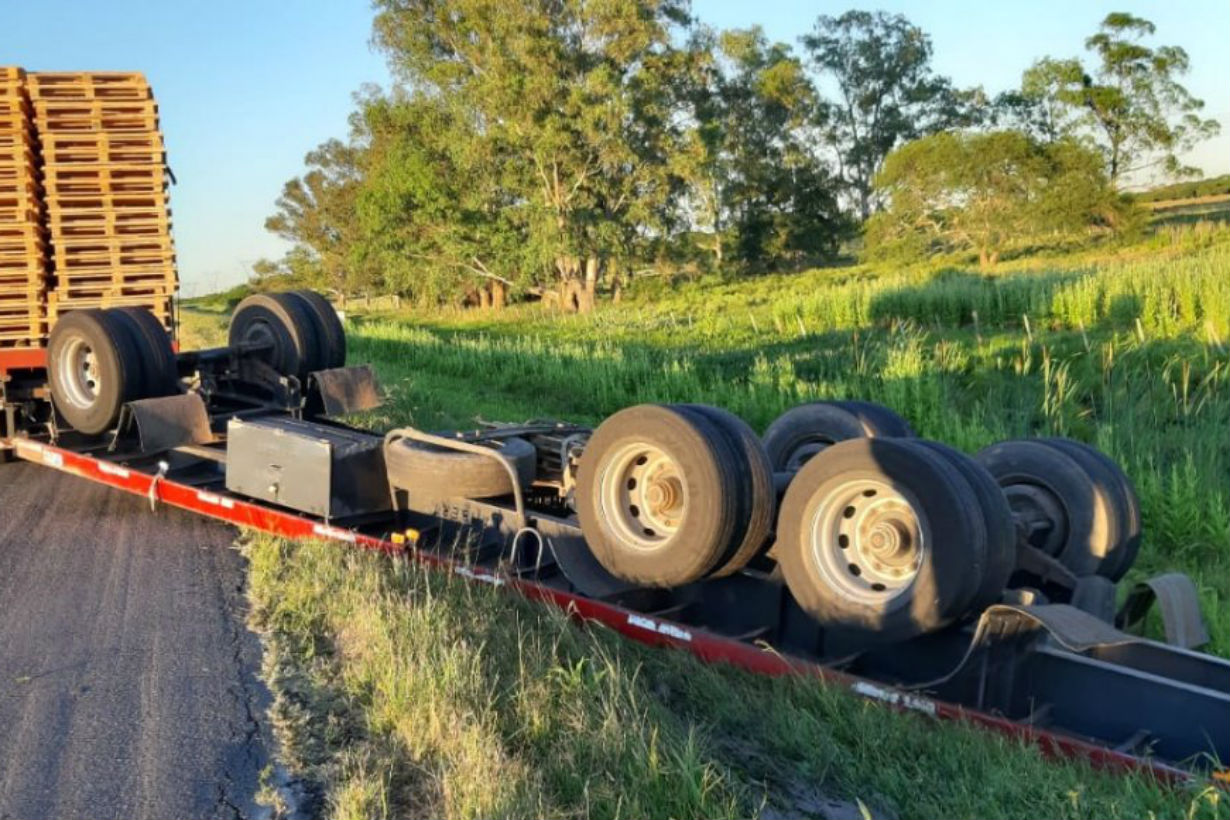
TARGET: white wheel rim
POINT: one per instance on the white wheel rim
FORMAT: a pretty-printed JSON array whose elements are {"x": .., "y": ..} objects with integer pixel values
[
  {"x": 79, "y": 374},
  {"x": 868, "y": 541},
  {"x": 642, "y": 496}
]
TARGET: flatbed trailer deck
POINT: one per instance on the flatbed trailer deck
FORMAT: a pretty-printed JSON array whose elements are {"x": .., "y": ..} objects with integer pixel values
[
  {"x": 1114, "y": 740},
  {"x": 1048, "y": 673}
]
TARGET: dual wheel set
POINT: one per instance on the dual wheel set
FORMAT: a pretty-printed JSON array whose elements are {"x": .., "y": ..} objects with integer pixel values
[
  {"x": 876, "y": 532},
  {"x": 99, "y": 360}
]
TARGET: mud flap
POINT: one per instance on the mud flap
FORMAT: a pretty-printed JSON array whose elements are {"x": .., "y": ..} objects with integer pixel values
[
  {"x": 1179, "y": 604},
  {"x": 344, "y": 390},
  {"x": 166, "y": 423}
]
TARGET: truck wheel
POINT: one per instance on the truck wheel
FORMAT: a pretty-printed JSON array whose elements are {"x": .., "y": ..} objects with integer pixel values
[
  {"x": 1111, "y": 481},
  {"x": 880, "y": 538},
  {"x": 282, "y": 322},
  {"x": 877, "y": 419},
  {"x": 997, "y": 518},
  {"x": 752, "y": 466},
  {"x": 161, "y": 376},
  {"x": 94, "y": 367},
  {"x": 452, "y": 473},
  {"x": 658, "y": 496},
  {"x": 798, "y": 434},
  {"x": 329, "y": 328},
  {"x": 1065, "y": 513}
]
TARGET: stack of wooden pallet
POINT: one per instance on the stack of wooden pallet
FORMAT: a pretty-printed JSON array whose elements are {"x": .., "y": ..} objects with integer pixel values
[
  {"x": 23, "y": 242},
  {"x": 106, "y": 191}
]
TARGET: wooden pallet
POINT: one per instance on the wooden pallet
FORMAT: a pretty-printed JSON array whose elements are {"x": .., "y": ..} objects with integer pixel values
[
  {"x": 25, "y": 186},
  {"x": 31, "y": 243},
  {"x": 30, "y": 281},
  {"x": 88, "y": 85},
  {"x": 155, "y": 202},
  {"x": 115, "y": 122},
  {"x": 23, "y": 264},
  {"x": 83, "y": 148},
  {"x": 160, "y": 304},
  {"x": 19, "y": 172},
  {"x": 117, "y": 265},
  {"x": 93, "y": 230},
  {"x": 95, "y": 180},
  {"x": 15, "y": 105}
]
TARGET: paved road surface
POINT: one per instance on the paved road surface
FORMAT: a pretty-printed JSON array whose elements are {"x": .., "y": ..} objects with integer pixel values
[{"x": 127, "y": 678}]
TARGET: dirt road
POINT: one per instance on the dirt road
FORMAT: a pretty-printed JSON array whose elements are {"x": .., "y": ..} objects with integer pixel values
[{"x": 127, "y": 679}]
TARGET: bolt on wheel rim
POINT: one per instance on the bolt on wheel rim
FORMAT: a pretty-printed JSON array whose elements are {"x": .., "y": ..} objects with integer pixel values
[
  {"x": 642, "y": 495},
  {"x": 80, "y": 373},
  {"x": 867, "y": 540}
]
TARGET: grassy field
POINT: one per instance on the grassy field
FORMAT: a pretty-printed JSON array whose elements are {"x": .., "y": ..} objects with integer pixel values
[{"x": 402, "y": 694}]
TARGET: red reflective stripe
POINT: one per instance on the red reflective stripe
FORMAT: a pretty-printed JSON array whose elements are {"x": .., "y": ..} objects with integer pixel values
[{"x": 653, "y": 631}]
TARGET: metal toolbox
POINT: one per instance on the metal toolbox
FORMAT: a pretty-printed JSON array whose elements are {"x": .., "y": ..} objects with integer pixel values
[{"x": 313, "y": 468}]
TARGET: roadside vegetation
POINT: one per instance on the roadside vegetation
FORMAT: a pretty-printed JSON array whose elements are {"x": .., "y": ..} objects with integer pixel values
[{"x": 402, "y": 692}]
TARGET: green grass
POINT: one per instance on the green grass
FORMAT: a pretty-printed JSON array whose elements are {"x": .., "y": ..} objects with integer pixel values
[
  {"x": 399, "y": 694},
  {"x": 403, "y": 692}
]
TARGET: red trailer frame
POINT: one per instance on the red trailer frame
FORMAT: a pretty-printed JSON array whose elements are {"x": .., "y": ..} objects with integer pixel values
[{"x": 707, "y": 646}]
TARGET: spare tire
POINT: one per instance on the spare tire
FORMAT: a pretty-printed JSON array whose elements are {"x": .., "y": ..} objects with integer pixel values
[
  {"x": 94, "y": 367},
  {"x": 415, "y": 466},
  {"x": 282, "y": 322}
]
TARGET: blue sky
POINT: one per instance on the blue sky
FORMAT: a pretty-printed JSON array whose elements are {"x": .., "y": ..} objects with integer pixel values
[{"x": 245, "y": 89}]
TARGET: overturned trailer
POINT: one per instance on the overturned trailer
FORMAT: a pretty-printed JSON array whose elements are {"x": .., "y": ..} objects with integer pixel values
[{"x": 839, "y": 545}]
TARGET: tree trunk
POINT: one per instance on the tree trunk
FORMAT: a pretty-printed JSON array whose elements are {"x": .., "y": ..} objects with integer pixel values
[
  {"x": 484, "y": 298},
  {"x": 499, "y": 294},
  {"x": 572, "y": 295},
  {"x": 592, "y": 269}
]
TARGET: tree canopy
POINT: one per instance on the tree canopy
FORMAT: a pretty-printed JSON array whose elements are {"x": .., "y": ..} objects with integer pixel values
[
  {"x": 985, "y": 192},
  {"x": 547, "y": 148}
]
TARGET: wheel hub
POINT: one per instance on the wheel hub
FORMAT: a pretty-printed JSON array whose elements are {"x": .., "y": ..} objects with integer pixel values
[
  {"x": 867, "y": 540},
  {"x": 643, "y": 496}
]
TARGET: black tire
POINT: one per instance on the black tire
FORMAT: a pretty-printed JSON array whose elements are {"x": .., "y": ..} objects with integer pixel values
[
  {"x": 752, "y": 465},
  {"x": 90, "y": 403},
  {"x": 283, "y": 322},
  {"x": 329, "y": 328},
  {"x": 801, "y": 432},
  {"x": 1030, "y": 471},
  {"x": 945, "y": 575},
  {"x": 1111, "y": 481},
  {"x": 701, "y": 482},
  {"x": 454, "y": 473},
  {"x": 878, "y": 420},
  {"x": 997, "y": 518},
  {"x": 157, "y": 354}
]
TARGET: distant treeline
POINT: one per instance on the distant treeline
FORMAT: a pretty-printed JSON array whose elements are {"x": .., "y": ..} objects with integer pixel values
[
  {"x": 546, "y": 150},
  {"x": 1213, "y": 186}
]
